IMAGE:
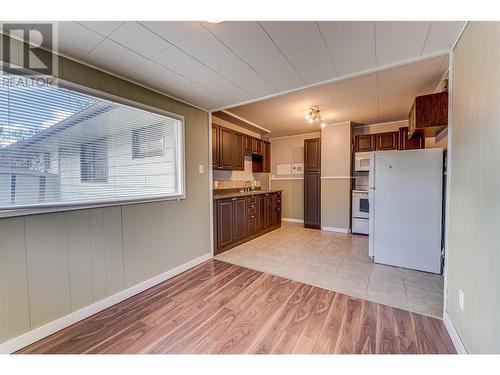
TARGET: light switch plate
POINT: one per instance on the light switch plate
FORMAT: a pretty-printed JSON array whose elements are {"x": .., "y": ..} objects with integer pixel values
[
  {"x": 201, "y": 168},
  {"x": 461, "y": 299}
]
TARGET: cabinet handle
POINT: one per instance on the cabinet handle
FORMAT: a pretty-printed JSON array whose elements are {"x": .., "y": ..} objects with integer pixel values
[{"x": 233, "y": 199}]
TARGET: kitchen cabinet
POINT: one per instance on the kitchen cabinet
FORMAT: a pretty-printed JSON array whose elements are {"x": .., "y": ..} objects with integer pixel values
[
  {"x": 312, "y": 183},
  {"x": 386, "y": 141},
  {"x": 238, "y": 153},
  {"x": 406, "y": 143},
  {"x": 226, "y": 151},
  {"x": 239, "y": 219},
  {"x": 376, "y": 142},
  {"x": 266, "y": 157},
  {"x": 428, "y": 115},
  {"x": 230, "y": 147},
  {"x": 257, "y": 146},
  {"x": 248, "y": 145},
  {"x": 364, "y": 143},
  {"x": 215, "y": 146}
]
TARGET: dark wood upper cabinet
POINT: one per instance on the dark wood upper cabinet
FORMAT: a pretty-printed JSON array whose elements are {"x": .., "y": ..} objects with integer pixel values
[
  {"x": 257, "y": 146},
  {"x": 409, "y": 144},
  {"x": 238, "y": 154},
  {"x": 386, "y": 141},
  {"x": 364, "y": 143},
  {"x": 215, "y": 146},
  {"x": 226, "y": 149},
  {"x": 266, "y": 157},
  {"x": 312, "y": 183},
  {"x": 248, "y": 145},
  {"x": 428, "y": 115},
  {"x": 312, "y": 155}
]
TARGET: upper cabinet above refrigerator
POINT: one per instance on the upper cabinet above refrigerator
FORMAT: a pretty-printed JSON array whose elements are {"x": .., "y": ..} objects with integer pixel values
[{"x": 429, "y": 115}]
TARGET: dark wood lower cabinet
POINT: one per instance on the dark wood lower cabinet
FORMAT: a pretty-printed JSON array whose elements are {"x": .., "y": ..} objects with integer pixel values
[{"x": 241, "y": 219}]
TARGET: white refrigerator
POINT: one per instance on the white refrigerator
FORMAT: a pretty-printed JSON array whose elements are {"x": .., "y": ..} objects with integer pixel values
[{"x": 405, "y": 208}]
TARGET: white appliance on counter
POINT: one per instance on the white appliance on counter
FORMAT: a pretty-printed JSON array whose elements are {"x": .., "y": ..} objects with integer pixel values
[
  {"x": 405, "y": 214},
  {"x": 362, "y": 161},
  {"x": 360, "y": 212}
]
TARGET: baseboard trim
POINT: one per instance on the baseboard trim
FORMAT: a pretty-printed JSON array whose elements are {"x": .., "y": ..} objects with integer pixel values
[
  {"x": 338, "y": 230},
  {"x": 36, "y": 334},
  {"x": 291, "y": 220},
  {"x": 454, "y": 336}
]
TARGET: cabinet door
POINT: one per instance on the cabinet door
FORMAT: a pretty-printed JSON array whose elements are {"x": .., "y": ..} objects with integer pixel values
[
  {"x": 239, "y": 157},
  {"x": 257, "y": 146},
  {"x": 312, "y": 195},
  {"x": 409, "y": 144},
  {"x": 239, "y": 218},
  {"x": 277, "y": 208},
  {"x": 226, "y": 147},
  {"x": 386, "y": 141},
  {"x": 224, "y": 208},
  {"x": 248, "y": 145},
  {"x": 251, "y": 225},
  {"x": 215, "y": 146},
  {"x": 364, "y": 143},
  {"x": 267, "y": 157},
  {"x": 265, "y": 212},
  {"x": 260, "y": 212},
  {"x": 312, "y": 155}
]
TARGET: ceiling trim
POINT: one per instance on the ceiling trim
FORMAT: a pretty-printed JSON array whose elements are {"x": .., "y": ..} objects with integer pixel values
[
  {"x": 338, "y": 79},
  {"x": 459, "y": 35},
  {"x": 296, "y": 135},
  {"x": 245, "y": 120}
]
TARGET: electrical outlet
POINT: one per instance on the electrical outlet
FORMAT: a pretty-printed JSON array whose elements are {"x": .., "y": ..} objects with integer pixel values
[{"x": 461, "y": 299}]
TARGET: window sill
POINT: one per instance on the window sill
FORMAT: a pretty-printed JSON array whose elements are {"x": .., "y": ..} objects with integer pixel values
[{"x": 16, "y": 212}]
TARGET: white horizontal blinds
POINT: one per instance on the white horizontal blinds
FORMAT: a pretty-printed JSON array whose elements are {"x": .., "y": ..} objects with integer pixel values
[{"x": 61, "y": 147}]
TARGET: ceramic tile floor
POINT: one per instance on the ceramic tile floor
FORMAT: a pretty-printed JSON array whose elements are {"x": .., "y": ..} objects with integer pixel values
[{"x": 339, "y": 262}]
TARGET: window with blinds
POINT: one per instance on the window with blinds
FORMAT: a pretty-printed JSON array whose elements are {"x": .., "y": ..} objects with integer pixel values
[{"x": 60, "y": 147}]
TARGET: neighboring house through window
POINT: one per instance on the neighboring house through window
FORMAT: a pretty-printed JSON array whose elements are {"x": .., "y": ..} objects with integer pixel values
[
  {"x": 94, "y": 161},
  {"x": 148, "y": 142}
]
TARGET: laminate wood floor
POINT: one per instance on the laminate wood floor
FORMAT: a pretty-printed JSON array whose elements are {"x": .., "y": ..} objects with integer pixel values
[{"x": 218, "y": 307}]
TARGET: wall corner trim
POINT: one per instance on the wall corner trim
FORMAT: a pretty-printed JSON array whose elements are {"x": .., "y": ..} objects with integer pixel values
[
  {"x": 338, "y": 230},
  {"x": 36, "y": 334},
  {"x": 455, "y": 337},
  {"x": 292, "y": 220}
]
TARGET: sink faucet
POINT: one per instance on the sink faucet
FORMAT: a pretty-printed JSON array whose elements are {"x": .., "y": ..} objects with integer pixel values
[{"x": 247, "y": 185}]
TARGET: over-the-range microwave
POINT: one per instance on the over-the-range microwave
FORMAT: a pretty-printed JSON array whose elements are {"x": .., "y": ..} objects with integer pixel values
[{"x": 362, "y": 161}]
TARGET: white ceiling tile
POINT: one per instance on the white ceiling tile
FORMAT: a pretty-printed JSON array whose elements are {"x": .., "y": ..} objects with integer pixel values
[
  {"x": 294, "y": 37},
  {"x": 178, "y": 61},
  {"x": 441, "y": 35},
  {"x": 278, "y": 71},
  {"x": 226, "y": 88},
  {"x": 76, "y": 40},
  {"x": 260, "y": 53},
  {"x": 399, "y": 41},
  {"x": 114, "y": 57},
  {"x": 315, "y": 64},
  {"x": 235, "y": 33},
  {"x": 351, "y": 44},
  {"x": 173, "y": 31},
  {"x": 102, "y": 27},
  {"x": 206, "y": 48},
  {"x": 261, "y": 91},
  {"x": 248, "y": 79},
  {"x": 139, "y": 39}
]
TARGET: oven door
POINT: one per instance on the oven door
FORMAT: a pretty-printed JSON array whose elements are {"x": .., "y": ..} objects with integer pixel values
[
  {"x": 362, "y": 161},
  {"x": 360, "y": 205}
]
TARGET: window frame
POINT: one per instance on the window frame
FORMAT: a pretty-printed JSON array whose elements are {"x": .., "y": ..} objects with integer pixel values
[{"x": 64, "y": 206}]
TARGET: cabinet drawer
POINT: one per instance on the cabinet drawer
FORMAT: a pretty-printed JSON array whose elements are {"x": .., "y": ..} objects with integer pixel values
[{"x": 252, "y": 209}]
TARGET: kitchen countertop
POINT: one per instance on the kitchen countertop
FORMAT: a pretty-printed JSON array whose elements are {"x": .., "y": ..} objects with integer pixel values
[{"x": 243, "y": 194}]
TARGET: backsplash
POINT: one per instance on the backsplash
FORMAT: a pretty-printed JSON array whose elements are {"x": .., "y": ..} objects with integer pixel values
[{"x": 233, "y": 184}]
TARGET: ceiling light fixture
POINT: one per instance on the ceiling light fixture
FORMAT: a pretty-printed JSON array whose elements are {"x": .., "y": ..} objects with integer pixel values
[{"x": 314, "y": 114}]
